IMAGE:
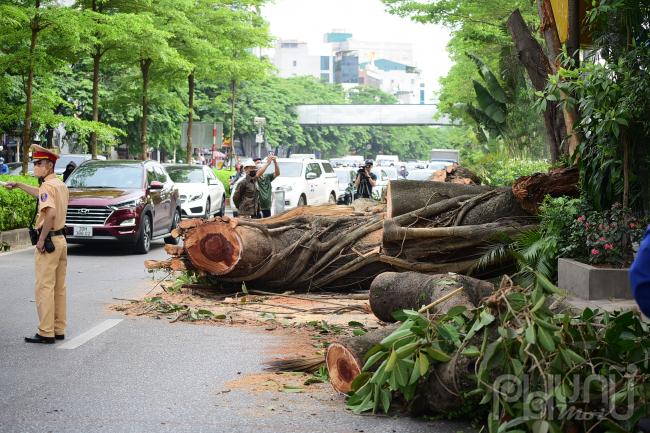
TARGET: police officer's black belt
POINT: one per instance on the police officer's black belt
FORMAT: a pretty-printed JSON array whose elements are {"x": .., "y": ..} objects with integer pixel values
[{"x": 60, "y": 232}]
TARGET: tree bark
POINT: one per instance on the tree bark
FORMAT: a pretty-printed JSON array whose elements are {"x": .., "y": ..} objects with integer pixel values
[
  {"x": 404, "y": 196},
  {"x": 574, "y": 31},
  {"x": 27, "y": 127},
  {"x": 393, "y": 291},
  {"x": 96, "y": 63},
  {"x": 233, "y": 88},
  {"x": 344, "y": 358},
  {"x": 538, "y": 67},
  {"x": 549, "y": 30},
  {"x": 145, "y": 66},
  {"x": 190, "y": 115}
]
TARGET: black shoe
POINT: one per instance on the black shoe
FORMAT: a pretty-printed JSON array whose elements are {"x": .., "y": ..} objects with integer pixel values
[
  {"x": 39, "y": 339},
  {"x": 59, "y": 336}
]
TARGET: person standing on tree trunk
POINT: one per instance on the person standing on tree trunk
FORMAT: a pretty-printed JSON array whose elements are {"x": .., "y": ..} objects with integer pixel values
[
  {"x": 246, "y": 196},
  {"x": 365, "y": 180},
  {"x": 51, "y": 253},
  {"x": 264, "y": 183}
]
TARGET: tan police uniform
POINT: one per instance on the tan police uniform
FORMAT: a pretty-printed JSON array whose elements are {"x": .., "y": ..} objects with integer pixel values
[{"x": 51, "y": 267}]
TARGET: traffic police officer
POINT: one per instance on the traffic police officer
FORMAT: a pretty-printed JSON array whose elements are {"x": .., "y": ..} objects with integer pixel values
[{"x": 50, "y": 267}]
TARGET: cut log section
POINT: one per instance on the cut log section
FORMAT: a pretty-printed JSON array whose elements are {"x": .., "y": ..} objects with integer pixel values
[
  {"x": 393, "y": 291},
  {"x": 344, "y": 358},
  {"x": 456, "y": 174}
]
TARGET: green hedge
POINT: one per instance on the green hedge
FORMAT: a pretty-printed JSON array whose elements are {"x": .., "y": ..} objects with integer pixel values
[
  {"x": 16, "y": 206},
  {"x": 497, "y": 170},
  {"x": 224, "y": 177}
]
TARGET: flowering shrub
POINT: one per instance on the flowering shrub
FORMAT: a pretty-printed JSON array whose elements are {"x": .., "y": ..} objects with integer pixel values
[{"x": 605, "y": 237}]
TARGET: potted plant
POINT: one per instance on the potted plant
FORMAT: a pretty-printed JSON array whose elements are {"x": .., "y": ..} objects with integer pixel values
[{"x": 601, "y": 247}]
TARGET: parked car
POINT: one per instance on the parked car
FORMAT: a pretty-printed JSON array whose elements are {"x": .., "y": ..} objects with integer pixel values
[
  {"x": 387, "y": 160},
  {"x": 306, "y": 182},
  {"x": 420, "y": 174},
  {"x": 61, "y": 163},
  {"x": 345, "y": 192},
  {"x": 201, "y": 193},
  {"x": 383, "y": 177},
  {"x": 131, "y": 202}
]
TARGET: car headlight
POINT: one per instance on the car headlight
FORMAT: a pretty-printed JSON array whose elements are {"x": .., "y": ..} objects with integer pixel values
[
  {"x": 129, "y": 222},
  {"x": 131, "y": 204},
  {"x": 196, "y": 196}
]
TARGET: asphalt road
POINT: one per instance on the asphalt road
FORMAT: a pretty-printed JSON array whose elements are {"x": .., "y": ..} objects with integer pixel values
[{"x": 145, "y": 375}]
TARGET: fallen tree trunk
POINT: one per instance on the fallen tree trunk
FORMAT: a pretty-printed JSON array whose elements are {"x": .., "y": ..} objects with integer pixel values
[
  {"x": 404, "y": 196},
  {"x": 392, "y": 291},
  {"x": 530, "y": 191},
  {"x": 344, "y": 358},
  {"x": 343, "y": 247}
]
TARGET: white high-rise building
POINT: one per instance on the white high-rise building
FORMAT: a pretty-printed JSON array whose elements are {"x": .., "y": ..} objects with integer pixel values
[
  {"x": 293, "y": 59},
  {"x": 344, "y": 60}
]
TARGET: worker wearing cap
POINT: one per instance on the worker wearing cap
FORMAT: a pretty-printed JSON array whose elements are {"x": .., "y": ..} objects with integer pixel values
[
  {"x": 246, "y": 196},
  {"x": 4, "y": 169},
  {"x": 50, "y": 267}
]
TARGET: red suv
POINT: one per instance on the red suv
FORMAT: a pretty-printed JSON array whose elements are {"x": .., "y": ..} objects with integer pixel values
[{"x": 132, "y": 202}]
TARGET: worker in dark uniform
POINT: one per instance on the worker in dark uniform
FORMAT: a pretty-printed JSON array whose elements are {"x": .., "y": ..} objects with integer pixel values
[{"x": 50, "y": 266}]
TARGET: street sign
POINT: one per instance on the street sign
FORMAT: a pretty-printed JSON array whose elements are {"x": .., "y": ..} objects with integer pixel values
[{"x": 259, "y": 138}]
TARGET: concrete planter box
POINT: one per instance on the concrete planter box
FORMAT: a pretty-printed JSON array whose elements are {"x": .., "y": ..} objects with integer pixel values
[{"x": 589, "y": 282}]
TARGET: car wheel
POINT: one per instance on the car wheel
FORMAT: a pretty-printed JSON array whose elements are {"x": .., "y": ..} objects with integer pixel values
[
  {"x": 177, "y": 219},
  {"x": 143, "y": 243},
  {"x": 302, "y": 201},
  {"x": 332, "y": 199},
  {"x": 207, "y": 209},
  {"x": 222, "y": 209}
]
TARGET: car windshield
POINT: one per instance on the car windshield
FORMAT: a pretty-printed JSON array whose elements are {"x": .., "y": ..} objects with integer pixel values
[
  {"x": 186, "y": 174},
  {"x": 420, "y": 175},
  {"x": 64, "y": 160},
  {"x": 437, "y": 166},
  {"x": 290, "y": 169},
  {"x": 106, "y": 176}
]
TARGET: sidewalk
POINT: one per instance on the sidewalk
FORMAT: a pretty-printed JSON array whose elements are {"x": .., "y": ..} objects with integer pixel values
[{"x": 12, "y": 240}]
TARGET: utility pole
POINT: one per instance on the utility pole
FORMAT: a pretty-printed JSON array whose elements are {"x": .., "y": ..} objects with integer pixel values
[{"x": 232, "y": 123}]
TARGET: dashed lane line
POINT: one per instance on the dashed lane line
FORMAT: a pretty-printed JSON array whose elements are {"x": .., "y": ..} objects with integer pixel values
[{"x": 90, "y": 334}]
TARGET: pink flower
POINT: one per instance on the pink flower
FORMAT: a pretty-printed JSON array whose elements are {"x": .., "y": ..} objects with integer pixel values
[
  {"x": 581, "y": 218},
  {"x": 595, "y": 252},
  {"x": 602, "y": 238},
  {"x": 608, "y": 246},
  {"x": 632, "y": 225}
]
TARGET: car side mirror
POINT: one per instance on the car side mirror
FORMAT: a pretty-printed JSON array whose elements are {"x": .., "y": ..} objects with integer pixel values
[
  {"x": 155, "y": 185},
  {"x": 311, "y": 175}
]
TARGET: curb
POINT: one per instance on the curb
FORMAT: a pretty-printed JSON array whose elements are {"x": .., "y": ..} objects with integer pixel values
[{"x": 16, "y": 239}]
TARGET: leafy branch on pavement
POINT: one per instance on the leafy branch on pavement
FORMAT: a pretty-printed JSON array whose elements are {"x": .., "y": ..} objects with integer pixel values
[{"x": 579, "y": 370}]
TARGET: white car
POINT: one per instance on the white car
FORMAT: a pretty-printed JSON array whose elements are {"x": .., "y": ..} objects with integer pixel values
[
  {"x": 202, "y": 194},
  {"x": 384, "y": 175},
  {"x": 306, "y": 182}
]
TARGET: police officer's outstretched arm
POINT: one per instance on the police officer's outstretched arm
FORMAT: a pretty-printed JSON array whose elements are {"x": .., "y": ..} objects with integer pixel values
[{"x": 31, "y": 190}]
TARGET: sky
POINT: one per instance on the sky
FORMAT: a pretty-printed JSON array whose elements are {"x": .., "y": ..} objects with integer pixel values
[{"x": 367, "y": 20}]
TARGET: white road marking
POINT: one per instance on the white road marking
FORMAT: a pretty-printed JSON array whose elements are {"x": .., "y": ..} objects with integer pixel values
[{"x": 90, "y": 334}]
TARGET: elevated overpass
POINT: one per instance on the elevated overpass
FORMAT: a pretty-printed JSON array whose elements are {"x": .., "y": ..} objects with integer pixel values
[{"x": 370, "y": 115}]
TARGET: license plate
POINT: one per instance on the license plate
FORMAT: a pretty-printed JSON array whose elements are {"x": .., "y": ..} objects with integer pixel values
[{"x": 82, "y": 231}]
